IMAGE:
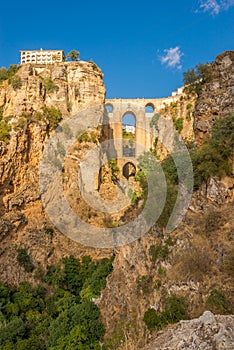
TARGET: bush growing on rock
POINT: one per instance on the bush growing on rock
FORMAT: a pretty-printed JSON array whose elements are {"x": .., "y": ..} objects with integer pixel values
[
  {"x": 53, "y": 115},
  {"x": 50, "y": 86},
  {"x": 6, "y": 74},
  {"x": 24, "y": 260},
  {"x": 15, "y": 81},
  {"x": 212, "y": 158},
  {"x": 5, "y": 130},
  {"x": 174, "y": 311},
  {"x": 217, "y": 302}
]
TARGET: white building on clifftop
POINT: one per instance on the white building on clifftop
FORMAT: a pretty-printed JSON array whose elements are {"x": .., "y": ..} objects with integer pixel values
[{"x": 41, "y": 56}]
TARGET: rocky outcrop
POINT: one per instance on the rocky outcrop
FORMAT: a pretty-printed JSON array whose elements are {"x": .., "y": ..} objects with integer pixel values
[
  {"x": 216, "y": 99},
  {"x": 71, "y": 87},
  {"x": 208, "y": 332}
]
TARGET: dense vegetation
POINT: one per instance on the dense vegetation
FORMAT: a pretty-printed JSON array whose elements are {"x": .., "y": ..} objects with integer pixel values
[
  {"x": 174, "y": 311},
  {"x": 4, "y": 131},
  {"x": 210, "y": 159},
  {"x": 8, "y": 74},
  {"x": 195, "y": 77},
  {"x": 213, "y": 157},
  {"x": 51, "y": 115},
  {"x": 58, "y": 313}
]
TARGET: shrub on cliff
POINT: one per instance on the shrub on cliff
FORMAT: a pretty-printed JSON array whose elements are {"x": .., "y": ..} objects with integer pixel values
[
  {"x": 50, "y": 86},
  {"x": 3, "y": 74},
  {"x": 15, "y": 81},
  {"x": 5, "y": 130},
  {"x": 212, "y": 158},
  {"x": 73, "y": 55},
  {"x": 178, "y": 124},
  {"x": 223, "y": 135},
  {"x": 53, "y": 115},
  {"x": 174, "y": 311},
  {"x": 218, "y": 303},
  {"x": 8, "y": 73},
  {"x": 24, "y": 260}
]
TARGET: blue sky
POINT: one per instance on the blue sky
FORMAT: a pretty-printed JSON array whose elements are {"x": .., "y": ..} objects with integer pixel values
[{"x": 142, "y": 47}]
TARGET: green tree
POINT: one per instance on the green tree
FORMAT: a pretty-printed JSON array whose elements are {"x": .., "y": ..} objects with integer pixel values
[
  {"x": 195, "y": 77},
  {"x": 208, "y": 161},
  {"x": 3, "y": 74},
  {"x": 24, "y": 260},
  {"x": 53, "y": 115},
  {"x": 16, "y": 81},
  {"x": 50, "y": 86},
  {"x": 222, "y": 133},
  {"x": 114, "y": 169},
  {"x": 11, "y": 331},
  {"x": 179, "y": 124},
  {"x": 59, "y": 328},
  {"x": 87, "y": 315},
  {"x": 29, "y": 344},
  {"x": 8, "y": 73},
  {"x": 12, "y": 70},
  {"x": 72, "y": 276},
  {"x": 174, "y": 311},
  {"x": 73, "y": 55}
]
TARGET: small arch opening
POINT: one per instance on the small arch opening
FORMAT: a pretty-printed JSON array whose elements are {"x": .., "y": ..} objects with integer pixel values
[
  {"x": 109, "y": 108},
  {"x": 149, "y": 108},
  {"x": 129, "y": 134},
  {"x": 129, "y": 169}
]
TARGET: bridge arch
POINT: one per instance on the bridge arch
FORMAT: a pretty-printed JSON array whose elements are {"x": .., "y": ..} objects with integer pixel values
[
  {"x": 128, "y": 134},
  {"x": 109, "y": 107},
  {"x": 149, "y": 108},
  {"x": 129, "y": 169}
]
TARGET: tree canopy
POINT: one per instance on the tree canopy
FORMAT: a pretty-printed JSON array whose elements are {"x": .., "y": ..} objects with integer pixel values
[
  {"x": 73, "y": 55},
  {"x": 58, "y": 315}
]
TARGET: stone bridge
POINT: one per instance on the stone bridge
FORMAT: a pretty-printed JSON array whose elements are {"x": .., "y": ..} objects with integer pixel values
[{"x": 142, "y": 110}]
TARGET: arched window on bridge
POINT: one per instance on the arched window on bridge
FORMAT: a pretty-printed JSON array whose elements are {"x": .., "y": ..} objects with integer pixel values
[
  {"x": 149, "y": 109},
  {"x": 109, "y": 108},
  {"x": 129, "y": 134}
]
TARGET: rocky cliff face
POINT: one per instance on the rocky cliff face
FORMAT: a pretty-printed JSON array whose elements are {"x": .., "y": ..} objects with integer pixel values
[
  {"x": 23, "y": 222},
  {"x": 71, "y": 87},
  {"x": 208, "y": 332},
  {"x": 216, "y": 99}
]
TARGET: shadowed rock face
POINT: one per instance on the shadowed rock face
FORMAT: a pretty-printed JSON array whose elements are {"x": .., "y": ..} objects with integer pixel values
[
  {"x": 208, "y": 332},
  {"x": 216, "y": 99}
]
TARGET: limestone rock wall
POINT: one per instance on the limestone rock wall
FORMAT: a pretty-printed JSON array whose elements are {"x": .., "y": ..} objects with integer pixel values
[
  {"x": 78, "y": 85},
  {"x": 23, "y": 222},
  {"x": 216, "y": 99}
]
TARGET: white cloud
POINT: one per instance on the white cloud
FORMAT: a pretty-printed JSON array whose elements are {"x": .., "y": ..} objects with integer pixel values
[
  {"x": 214, "y": 7},
  {"x": 172, "y": 57}
]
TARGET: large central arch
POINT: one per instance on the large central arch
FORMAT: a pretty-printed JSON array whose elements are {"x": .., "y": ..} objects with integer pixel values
[
  {"x": 128, "y": 134},
  {"x": 141, "y": 128}
]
